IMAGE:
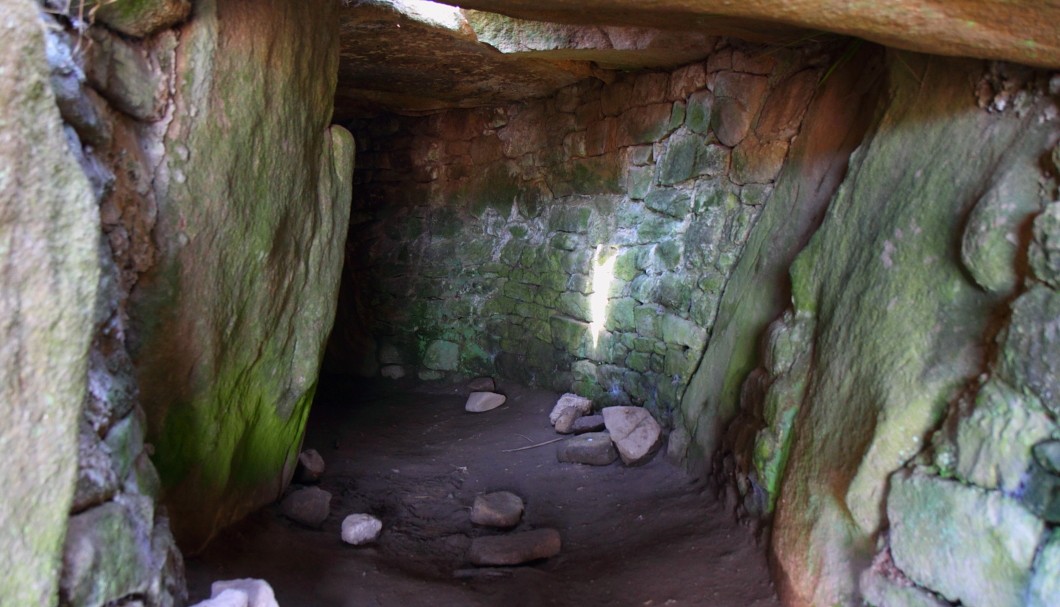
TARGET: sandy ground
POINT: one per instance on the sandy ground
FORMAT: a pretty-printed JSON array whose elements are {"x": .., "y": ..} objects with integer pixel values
[{"x": 407, "y": 452}]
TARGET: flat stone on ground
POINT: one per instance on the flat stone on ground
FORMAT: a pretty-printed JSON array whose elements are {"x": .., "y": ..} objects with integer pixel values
[
  {"x": 482, "y": 384},
  {"x": 309, "y": 506},
  {"x": 359, "y": 529},
  {"x": 480, "y": 402},
  {"x": 515, "y": 548},
  {"x": 634, "y": 431},
  {"x": 570, "y": 401},
  {"x": 593, "y": 448},
  {"x": 498, "y": 509},
  {"x": 259, "y": 593},
  {"x": 310, "y": 466},
  {"x": 588, "y": 423}
]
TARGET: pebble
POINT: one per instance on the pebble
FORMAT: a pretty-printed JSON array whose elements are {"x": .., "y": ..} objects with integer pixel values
[
  {"x": 480, "y": 402},
  {"x": 360, "y": 529},
  {"x": 498, "y": 509},
  {"x": 258, "y": 592},
  {"x": 309, "y": 506},
  {"x": 634, "y": 431},
  {"x": 482, "y": 384},
  {"x": 593, "y": 448},
  {"x": 310, "y": 467},
  {"x": 570, "y": 401},
  {"x": 515, "y": 548},
  {"x": 588, "y": 423}
]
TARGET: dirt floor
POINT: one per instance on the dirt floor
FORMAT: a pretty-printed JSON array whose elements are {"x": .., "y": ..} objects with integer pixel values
[{"x": 407, "y": 452}]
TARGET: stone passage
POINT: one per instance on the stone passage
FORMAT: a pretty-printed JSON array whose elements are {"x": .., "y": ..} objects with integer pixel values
[{"x": 581, "y": 241}]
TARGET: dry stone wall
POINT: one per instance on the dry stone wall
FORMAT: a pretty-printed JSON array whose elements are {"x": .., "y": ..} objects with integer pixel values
[{"x": 580, "y": 241}]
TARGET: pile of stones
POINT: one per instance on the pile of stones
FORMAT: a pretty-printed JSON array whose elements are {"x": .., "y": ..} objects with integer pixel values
[{"x": 627, "y": 432}]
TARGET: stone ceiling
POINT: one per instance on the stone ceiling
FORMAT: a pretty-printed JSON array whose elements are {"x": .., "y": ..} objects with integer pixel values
[{"x": 414, "y": 56}]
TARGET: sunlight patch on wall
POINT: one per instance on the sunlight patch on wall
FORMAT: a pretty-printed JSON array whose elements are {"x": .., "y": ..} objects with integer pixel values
[{"x": 603, "y": 273}]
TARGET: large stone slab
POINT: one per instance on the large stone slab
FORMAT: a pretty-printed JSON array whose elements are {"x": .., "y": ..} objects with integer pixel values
[
  {"x": 514, "y": 548},
  {"x": 634, "y": 431},
  {"x": 49, "y": 236},
  {"x": 972, "y": 546},
  {"x": 253, "y": 193},
  {"x": 592, "y": 448}
]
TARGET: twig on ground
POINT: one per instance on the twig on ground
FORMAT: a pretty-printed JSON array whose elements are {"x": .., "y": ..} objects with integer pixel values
[{"x": 548, "y": 442}]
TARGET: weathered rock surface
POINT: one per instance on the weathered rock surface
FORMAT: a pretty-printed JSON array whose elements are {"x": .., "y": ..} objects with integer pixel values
[
  {"x": 568, "y": 401},
  {"x": 972, "y": 546},
  {"x": 634, "y": 431},
  {"x": 309, "y": 506},
  {"x": 480, "y": 402},
  {"x": 259, "y": 593},
  {"x": 1044, "y": 587},
  {"x": 49, "y": 227},
  {"x": 593, "y": 448},
  {"x": 1024, "y": 31},
  {"x": 588, "y": 423},
  {"x": 220, "y": 357},
  {"x": 226, "y": 598},
  {"x": 360, "y": 529},
  {"x": 565, "y": 422},
  {"x": 498, "y": 509},
  {"x": 310, "y": 466},
  {"x": 514, "y": 548}
]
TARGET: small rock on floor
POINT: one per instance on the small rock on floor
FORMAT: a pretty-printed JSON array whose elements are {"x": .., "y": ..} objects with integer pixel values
[
  {"x": 593, "y": 448},
  {"x": 570, "y": 401},
  {"x": 480, "y": 402},
  {"x": 310, "y": 467},
  {"x": 309, "y": 506},
  {"x": 482, "y": 384},
  {"x": 360, "y": 529},
  {"x": 565, "y": 422},
  {"x": 259, "y": 593},
  {"x": 498, "y": 509},
  {"x": 588, "y": 423},
  {"x": 634, "y": 431},
  {"x": 516, "y": 548}
]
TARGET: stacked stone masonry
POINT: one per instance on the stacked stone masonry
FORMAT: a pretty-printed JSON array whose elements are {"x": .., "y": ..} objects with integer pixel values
[{"x": 482, "y": 239}]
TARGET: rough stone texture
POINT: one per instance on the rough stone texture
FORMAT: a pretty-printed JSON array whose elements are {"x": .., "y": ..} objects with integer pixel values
[
  {"x": 49, "y": 272},
  {"x": 498, "y": 509},
  {"x": 1044, "y": 587},
  {"x": 309, "y": 506},
  {"x": 360, "y": 529},
  {"x": 138, "y": 18},
  {"x": 253, "y": 192},
  {"x": 569, "y": 402},
  {"x": 492, "y": 229},
  {"x": 1030, "y": 358},
  {"x": 1024, "y": 31},
  {"x": 588, "y": 423},
  {"x": 514, "y": 548},
  {"x": 897, "y": 324},
  {"x": 591, "y": 448},
  {"x": 259, "y": 592},
  {"x": 972, "y": 546},
  {"x": 226, "y": 598},
  {"x": 480, "y": 402},
  {"x": 634, "y": 431},
  {"x": 310, "y": 466}
]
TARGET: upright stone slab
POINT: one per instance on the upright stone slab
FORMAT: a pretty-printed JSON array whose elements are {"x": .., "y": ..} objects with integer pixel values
[
  {"x": 254, "y": 195},
  {"x": 49, "y": 235}
]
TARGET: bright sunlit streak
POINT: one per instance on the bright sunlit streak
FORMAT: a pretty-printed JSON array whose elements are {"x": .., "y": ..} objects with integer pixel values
[{"x": 603, "y": 272}]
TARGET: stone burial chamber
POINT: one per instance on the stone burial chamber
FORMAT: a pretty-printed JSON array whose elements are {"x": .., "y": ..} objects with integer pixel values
[{"x": 812, "y": 244}]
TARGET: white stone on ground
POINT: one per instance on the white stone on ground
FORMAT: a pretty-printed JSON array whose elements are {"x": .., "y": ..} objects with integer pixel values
[
  {"x": 514, "y": 548},
  {"x": 634, "y": 431},
  {"x": 259, "y": 593},
  {"x": 480, "y": 402},
  {"x": 309, "y": 506},
  {"x": 482, "y": 384},
  {"x": 360, "y": 529},
  {"x": 498, "y": 509},
  {"x": 310, "y": 466},
  {"x": 570, "y": 401},
  {"x": 392, "y": 371},
  {"x": 228, "y": 598}
]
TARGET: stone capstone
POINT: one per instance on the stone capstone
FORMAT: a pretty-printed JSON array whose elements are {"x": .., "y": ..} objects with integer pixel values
[
  {"x": 514, "y": 548},
  {"x": 360, "y": 529},
  {"x": 480, "y": 402},
  {"x": 592, "y": 448},
  {"x": 634, "y": 431},
  {"x": 498, "y": 509},
  {"x": 309, "y": 506},
  {"x": 970, "y": 545},
  {"x": 258, "y": 592}
]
